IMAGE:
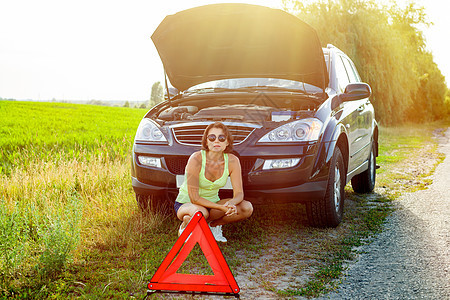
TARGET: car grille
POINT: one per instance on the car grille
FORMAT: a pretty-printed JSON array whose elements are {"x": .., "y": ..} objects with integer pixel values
[
  {"x": 192, "y": 134},
  {"x": 177, "y": 164}
]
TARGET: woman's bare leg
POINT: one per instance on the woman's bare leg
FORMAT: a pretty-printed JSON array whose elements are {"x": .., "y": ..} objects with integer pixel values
[{"x": 187, "y": 211}]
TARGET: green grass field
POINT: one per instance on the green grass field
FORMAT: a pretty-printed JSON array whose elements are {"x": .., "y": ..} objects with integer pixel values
[
  {"x": 52, "y": 131},
  {"x": 64, "y": 174},
  {"x": 70, "y": 226}
]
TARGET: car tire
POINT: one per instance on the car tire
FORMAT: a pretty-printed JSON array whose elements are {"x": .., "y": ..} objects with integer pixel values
[
  {"x": 154, "y": 204},
  {"x": 328, "y": 211},
  {"x": 365, "y": 182}
]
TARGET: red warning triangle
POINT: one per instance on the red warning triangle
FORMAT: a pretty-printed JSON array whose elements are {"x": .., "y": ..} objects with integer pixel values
[{"x": 166, "y": 278}]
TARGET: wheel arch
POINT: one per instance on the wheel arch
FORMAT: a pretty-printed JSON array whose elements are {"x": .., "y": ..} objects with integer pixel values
[
  {"x": 334, "y": 136},
  {"x": 339, "y": 139},
  {"x": 375, "y": 139},
  {"x": 342, "y": 143}
]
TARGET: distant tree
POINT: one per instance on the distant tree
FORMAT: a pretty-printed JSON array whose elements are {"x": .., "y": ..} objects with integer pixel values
[
  {"x": 127, "y": 104},
  {"x": 96, "y": 102},
  {"x": 157, "y": 94}
]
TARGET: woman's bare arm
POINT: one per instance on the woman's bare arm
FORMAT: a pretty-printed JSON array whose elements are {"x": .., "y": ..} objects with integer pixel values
[{"x": 236, "y": 180}]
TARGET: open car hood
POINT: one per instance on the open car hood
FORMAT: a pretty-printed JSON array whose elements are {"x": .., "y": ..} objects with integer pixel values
[{"x": 221, "y": 41}]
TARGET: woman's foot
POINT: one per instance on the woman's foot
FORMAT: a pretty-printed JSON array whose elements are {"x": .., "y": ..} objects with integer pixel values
[
  {"x": 217, "y": 233},
  {"x": 181, "y": 229},
  {"x": 183, "y": 225}
]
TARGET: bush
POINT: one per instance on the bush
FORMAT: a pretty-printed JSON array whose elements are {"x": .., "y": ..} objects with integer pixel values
[
  {"x": 13, "y": 241},
  {"x": 59, "y": 234}
]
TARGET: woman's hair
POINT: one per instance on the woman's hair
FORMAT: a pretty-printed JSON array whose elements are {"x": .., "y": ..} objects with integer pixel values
[{"x": 226, "y": 132}]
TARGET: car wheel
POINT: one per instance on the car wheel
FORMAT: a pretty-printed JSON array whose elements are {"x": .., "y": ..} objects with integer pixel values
[
  {"x": 154, "y": 204},
  {"x": 365, "y": 182},
  {"x": 328, "y": 211}
]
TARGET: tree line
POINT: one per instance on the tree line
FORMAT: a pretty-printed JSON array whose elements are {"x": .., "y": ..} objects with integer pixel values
[{"x": 389, "y": 51}]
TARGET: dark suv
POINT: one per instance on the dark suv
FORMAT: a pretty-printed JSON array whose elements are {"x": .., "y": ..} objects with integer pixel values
[{"x": 302, "y": 121}]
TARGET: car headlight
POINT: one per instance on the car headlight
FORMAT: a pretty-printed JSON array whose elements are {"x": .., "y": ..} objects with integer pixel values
[
  {"x": 148, "y": 131},
  {"x": 305, "y": 130}
]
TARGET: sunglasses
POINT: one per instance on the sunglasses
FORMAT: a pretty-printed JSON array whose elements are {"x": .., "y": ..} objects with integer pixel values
[{"x": 221, "y": 137}]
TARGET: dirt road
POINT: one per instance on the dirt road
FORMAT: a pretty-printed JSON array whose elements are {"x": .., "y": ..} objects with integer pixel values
[{"x": 411, "y": 258}]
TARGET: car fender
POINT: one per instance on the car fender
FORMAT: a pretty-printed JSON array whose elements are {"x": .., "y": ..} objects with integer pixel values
[
  {"x": 338, "y": 132},
  {"x": 133, "y": 162},
  {"x": 331, "y": 134}
]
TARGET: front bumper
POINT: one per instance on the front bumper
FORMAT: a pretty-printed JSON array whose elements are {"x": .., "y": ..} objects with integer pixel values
[
  {"x": 295, "y": 184},
  {"x": 306, "y": 192}
]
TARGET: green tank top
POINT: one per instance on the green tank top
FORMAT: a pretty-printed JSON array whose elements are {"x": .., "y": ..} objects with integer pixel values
[{"x": 207, "y": 189}]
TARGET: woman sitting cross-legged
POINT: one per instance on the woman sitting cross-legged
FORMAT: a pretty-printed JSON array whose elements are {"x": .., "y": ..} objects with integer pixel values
[{"x": 206, "y": 172}]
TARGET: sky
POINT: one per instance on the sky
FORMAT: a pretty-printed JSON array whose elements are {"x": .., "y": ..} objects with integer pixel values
[{"x": 101, "y": 49}]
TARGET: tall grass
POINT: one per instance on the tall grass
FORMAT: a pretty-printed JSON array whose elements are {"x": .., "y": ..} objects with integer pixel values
[
  {"x": 13, "y": 240},
  {"x": 64, "y": 181},
  {"x": 40, "y": 228}
]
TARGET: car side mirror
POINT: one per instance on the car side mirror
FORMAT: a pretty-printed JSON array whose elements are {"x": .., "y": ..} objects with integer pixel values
[{"x": 356, "y": 91}]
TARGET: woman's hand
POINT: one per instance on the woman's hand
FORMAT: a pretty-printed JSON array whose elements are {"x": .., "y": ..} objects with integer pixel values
[{"x": 231, "y": 208}]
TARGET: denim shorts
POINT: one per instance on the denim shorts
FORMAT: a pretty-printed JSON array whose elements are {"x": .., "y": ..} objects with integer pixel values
[{"x": 177, "y": 206}]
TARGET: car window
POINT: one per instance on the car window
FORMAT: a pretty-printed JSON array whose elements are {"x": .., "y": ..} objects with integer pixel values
[
  {"x": 341, "y": 74},
  {"x": 237, "y": 83},
  {"x": 351, "y": 71}
]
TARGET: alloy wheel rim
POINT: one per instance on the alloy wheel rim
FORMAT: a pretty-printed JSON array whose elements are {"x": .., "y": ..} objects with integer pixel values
[
  {"x": 337, "y": 188},
  {"x": 372, "y": 168}
]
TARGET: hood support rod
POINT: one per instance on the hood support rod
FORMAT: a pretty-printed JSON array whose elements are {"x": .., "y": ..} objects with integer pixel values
[{"x": 167, "y": 86}]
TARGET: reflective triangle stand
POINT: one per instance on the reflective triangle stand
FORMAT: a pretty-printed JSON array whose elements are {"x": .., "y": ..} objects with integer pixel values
[{"x": 166, "y": 280}]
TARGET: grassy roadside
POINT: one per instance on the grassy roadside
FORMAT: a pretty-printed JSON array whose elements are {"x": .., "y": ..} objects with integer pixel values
[{"x": 74, "y": 229}]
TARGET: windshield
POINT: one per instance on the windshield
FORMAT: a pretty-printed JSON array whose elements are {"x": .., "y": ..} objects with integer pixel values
[{"x": 241, "y": 83}]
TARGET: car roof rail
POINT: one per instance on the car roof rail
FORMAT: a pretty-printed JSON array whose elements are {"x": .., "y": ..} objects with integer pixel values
[{"x": 334, "y": 48}]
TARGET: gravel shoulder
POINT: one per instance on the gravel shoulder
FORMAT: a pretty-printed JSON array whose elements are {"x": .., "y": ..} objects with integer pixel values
[{"x": 410, "y": 259}]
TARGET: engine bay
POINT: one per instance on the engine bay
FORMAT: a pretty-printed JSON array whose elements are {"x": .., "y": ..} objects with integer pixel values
[
  {"x": 257, "y": 108},
  {"x": 249, "y": 113}
]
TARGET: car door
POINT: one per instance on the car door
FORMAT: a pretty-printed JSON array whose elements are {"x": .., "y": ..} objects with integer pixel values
[
  {"x": 355, "y": 116},
  {"x": 361, "y": 118}
]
